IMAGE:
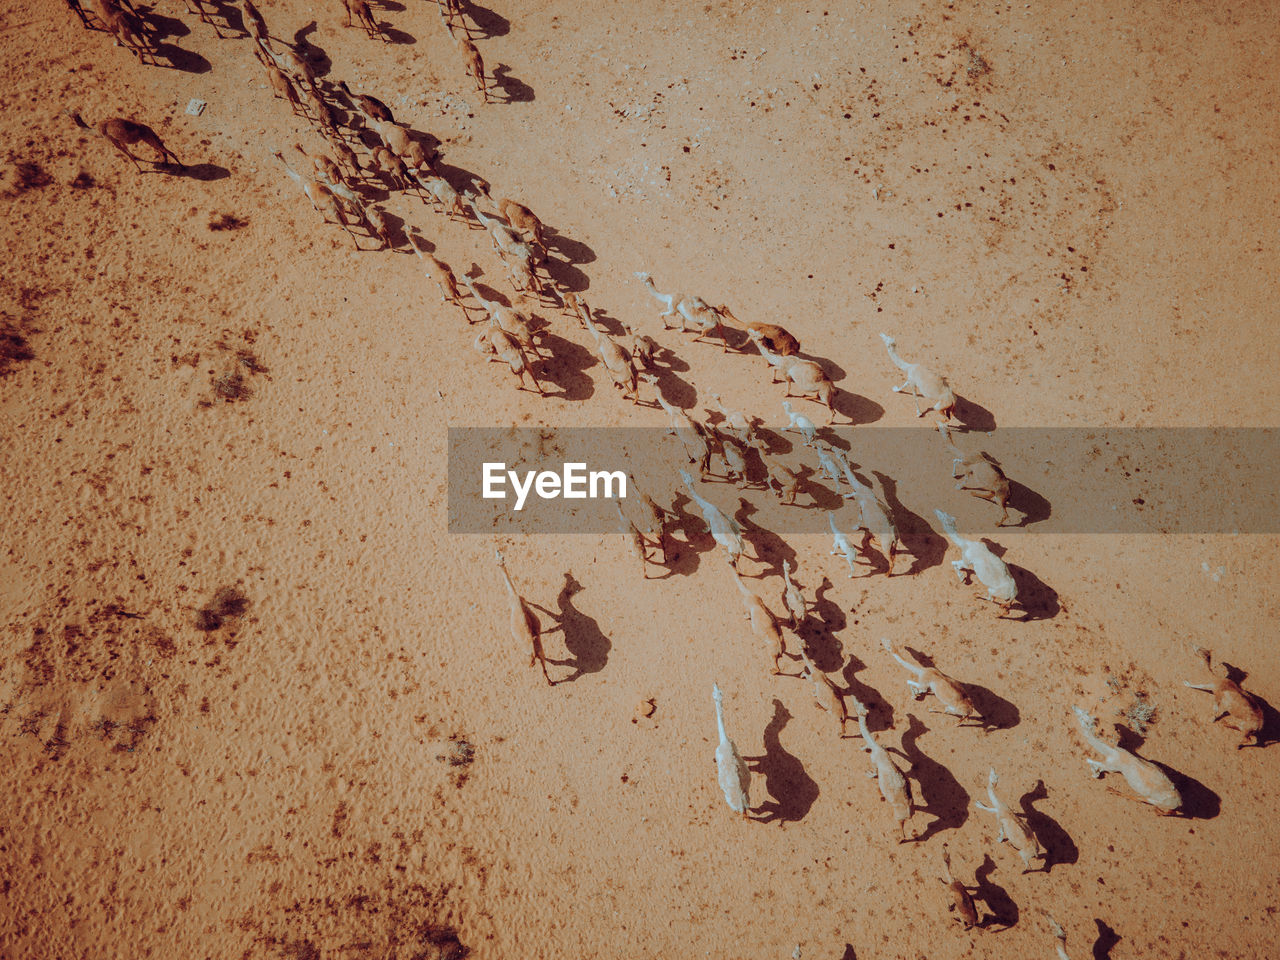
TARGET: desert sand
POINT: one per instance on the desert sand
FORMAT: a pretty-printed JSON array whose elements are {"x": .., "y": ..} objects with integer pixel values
[{"x": 257, "y": 701}]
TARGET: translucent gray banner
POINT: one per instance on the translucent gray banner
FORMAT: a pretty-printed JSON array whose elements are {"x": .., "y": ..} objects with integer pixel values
[{"x": 1061, "y": 480}]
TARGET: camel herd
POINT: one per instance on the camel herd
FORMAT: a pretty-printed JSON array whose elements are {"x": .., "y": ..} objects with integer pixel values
[{"x": 369, "y": 148}]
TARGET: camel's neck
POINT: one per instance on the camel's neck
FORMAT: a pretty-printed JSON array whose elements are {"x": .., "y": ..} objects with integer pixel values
[
  {"x": 897, "y": 360},
  {"x": 724, "y": 736},
  {"x": 995, "y": 801},
  {"x": 1090, "y": 734},
  {"x": 913, "y": 667},
  {"x": 511, "y": 589},
  {"x": 866, "y": 733}
]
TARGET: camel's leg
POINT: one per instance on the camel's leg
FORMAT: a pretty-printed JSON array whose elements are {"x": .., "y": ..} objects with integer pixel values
[
  {"x": 542, "y": 659},
  {"x": 343, "y": 223},
  {"x": 121, "y": 147},
  {"x": 158, "y": 145}
]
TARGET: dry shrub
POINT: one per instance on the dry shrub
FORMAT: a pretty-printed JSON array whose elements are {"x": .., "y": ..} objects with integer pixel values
[
  {"x": 17, "y": 177},
  {"x": 14, "y": 348},
  {"x": 227, "y": 604},
  {"x": 227, "y": 221}
]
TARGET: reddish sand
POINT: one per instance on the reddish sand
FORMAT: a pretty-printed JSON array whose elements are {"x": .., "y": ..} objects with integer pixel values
[{"x": 1069, "y": 209}]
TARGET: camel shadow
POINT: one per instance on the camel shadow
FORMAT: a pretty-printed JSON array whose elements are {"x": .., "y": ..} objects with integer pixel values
[
  {"x": 823, "y": 497},
  {"x": 792, "y": 789},
  {"x": 565, "y": 275},
  {"x": 512, "y": 90},
  {"x": 879, "y": 710},
  {"x": 418, "y": 240},
  {"x": 158, "y": 27},
  {"x": 684, "y": 556},
  {"x": 997, "y": 713},
  {"x": 857, "y": 409},
  {"x": 179, "y": 59},
  {"x": 941, "y": 794},
  {"x": 1198, "y": 801},
  {"x": 677, "y": 391},
  {"x": 1054, "y": 840},
  {"x": 317, "y": 60},
  {"x": 391, "y": 34},
  {"x": 1038, "y": 600},
  {"x": 817, "y": 632},
  {"x": 573, "y": 251},
  {"x": 204, "y": 172},
  {"x": 566, "y": 368},
  {"x": 231, "y": 18},
  {"x": 489, "y": 23},
  {"x": 974, "y": 415},
  {"x": 1033, "y": 507},
  {"x": 1106, "y": 942},
  {"x": 925, "y": 546},
  {"x": 586, "y": 642},
  {"x": 770, "y": 549},
  {"x": 1004, "y": 912}
]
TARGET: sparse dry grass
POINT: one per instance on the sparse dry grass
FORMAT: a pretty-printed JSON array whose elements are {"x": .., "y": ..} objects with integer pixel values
[{"x": 1140, "y": 713}]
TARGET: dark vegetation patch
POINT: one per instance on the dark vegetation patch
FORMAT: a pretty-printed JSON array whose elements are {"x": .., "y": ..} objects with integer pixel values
[
  {"x": 227, "y": 221},
  {"x": 227, "y": 604}
]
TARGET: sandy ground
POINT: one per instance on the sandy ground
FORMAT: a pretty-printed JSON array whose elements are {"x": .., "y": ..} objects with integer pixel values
[{"x": 1068, "y": 208}]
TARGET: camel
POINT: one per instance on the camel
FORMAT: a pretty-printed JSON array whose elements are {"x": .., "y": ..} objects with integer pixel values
[
  {"x": 615, "y": 359},
  {"x": 475, "y": 65},
  {"x": 518, "y": 215},
  {"x": 371, "y": 107},
  {"x": 440, "y": 272},
  {"x": 1149, "y": 782},
  {"x": 979, "y": 473},
  {"x": 525, "y": 628},
  {"x": 123, "y": 133},
  {"x": 322, "y": 198},
  {"x": 806, "y": 376},
  {"x": 360, "y": 10},
  {"x": 923, "y": 382},
  {"x": 1235, "y": 708},
  {"x": 693, "y": 310},
  {"x": 771, "y": 335}
]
